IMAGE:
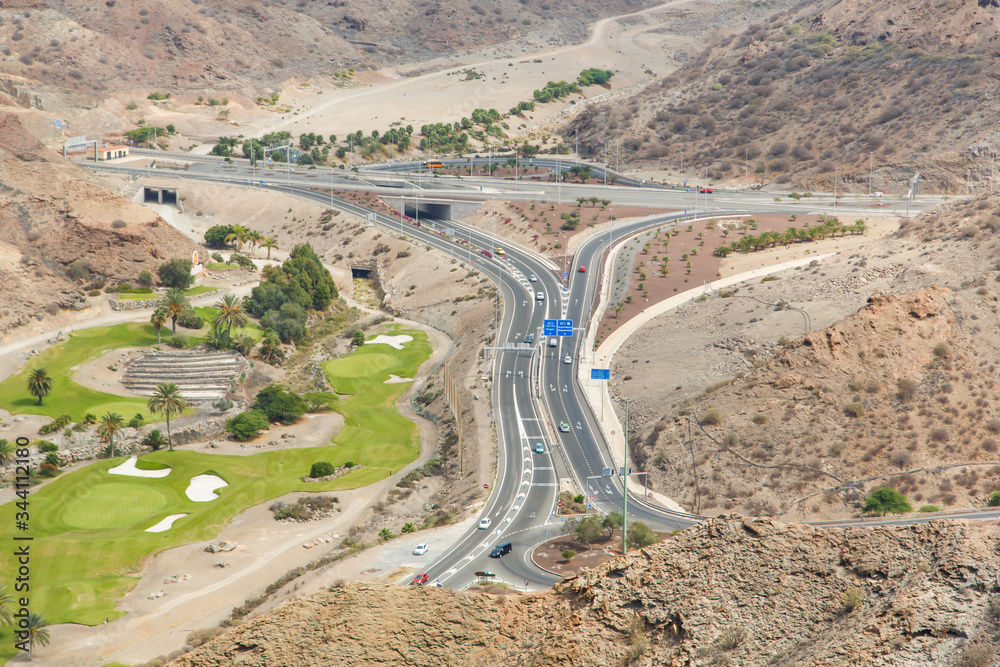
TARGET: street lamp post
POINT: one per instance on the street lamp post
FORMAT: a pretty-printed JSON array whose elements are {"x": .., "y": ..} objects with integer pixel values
[
  {"x": 836, "y": 178},
  {"x": 871, "y": 164}
]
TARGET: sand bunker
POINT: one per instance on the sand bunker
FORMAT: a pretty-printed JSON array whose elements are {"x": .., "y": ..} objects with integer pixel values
[
  {"x": 167, "y": 522},
  {"x": 395, "y": 341},
  {"x": 202, "y": 488},
  {"x": 395, "y": 379},
  {"x": 131, "y": 470}
]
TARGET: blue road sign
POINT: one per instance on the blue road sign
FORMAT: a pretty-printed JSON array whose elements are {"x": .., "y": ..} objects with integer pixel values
[
  {"x": 564, "y": 327},
  {"x": 565, "y": 274},
  {"x": 549, "y": 327},
  {"x": 58, "y": 123},
  {"x": 600, "y": 373}
]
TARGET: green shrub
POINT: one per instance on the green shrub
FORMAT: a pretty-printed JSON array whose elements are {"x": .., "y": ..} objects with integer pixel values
[
  {"x": 640, "y": 535},
  {"x": 243, "y": 262},
  {"x": 218, "y": 258},
  {"x": 854, "y": 409},
  {"x": 215, "y": 237},
  {"x": 321, "y": 469},
  {"x": 993, "y": 500},
  {"x": 280, "y": 405},
  {"x": 180, "y": 340},
  {"x": 886, "y": 500},
  {"x": 52, "y": 458},
  {"x": 176, "y": 272},
  {"x": 247, "y": 425},
  {"x": 929, "y": 508},
  {"x": 46, "y": 446},
  {"x": 146, "y": 278},
  {"x": 712, "y": 417},
  {"x": 760, "y": 418},
  {"x": 568, "y": 554},
  {"x": 189, "y": 319},
  {"x": 853, "y": 597}
]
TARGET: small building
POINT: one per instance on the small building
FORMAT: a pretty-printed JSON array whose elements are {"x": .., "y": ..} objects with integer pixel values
[{"x": 112, "y": 152}]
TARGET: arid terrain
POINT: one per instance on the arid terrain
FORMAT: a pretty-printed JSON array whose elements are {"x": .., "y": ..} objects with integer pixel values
[
  {"x": 730, "y": 591},
  {"x": 828, "y": 90},
  {"x": 904, "y": 327},
  {"x": 54, "y": 214}
]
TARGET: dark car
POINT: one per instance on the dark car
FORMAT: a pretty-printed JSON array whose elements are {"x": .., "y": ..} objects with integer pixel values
[
  {"x": 529, "y": 338},
  {"x": 500, "y": 550}
]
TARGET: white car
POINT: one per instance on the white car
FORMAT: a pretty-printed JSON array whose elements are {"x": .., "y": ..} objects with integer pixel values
[
  {"x": 540, "y": 296},
  {"x": 877, "y": 194},
  {"x": 485, "y": 523},
  {"x": 567, "y": 359},
  {"x": 533, "y": 278},
  {"x": 420, "y": 550}
]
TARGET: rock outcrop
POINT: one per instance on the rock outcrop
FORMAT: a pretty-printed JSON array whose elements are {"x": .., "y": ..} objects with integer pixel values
[{"x": 732, "y": 591}]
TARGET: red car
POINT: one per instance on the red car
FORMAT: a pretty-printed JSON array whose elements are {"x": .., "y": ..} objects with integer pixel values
[
  {"x": 583, "y": 269},
  {"x": 420, "y": 579},
  {"x": 705, "y": 191}
]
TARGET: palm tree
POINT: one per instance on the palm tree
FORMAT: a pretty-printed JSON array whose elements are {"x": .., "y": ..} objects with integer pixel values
[
  {"x": 39, "y": 384},
  {"x": 154, "y": 439},
  {"x": 158, "y": 319},
  {"x": 37, "y": 634},
  {"x": 269, "y": 243},
  {"x": 174, "y": 303},
  {"x": 237, "y": 235},
  {"x": 244, "y": 343},
  {"x": 6, "y": 455},
  {"x": 255, "y": 237},
  {"x": 6, "y": 602},
  {"x": 167, "y": 399},
  {"x": 230, "y": 314},
  {"x": 112, "y": 424},
  {"x": 218, "y": 338}
]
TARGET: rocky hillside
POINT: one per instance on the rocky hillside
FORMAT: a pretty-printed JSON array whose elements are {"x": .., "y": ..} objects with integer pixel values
[
  {"x": 902, "y": 392},
  {"x": 252, "y": 45},
  {"x": 52, "y": 214},
  {"x": 731, "y": 591},
  {"x": 822, "y": 92}
]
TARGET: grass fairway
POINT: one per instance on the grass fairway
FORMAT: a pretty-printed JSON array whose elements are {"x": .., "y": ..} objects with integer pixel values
[
  {"x": 374, "y": 433},
  {"x": 89, "y": 526},
  {"x": 67, "y": 397}
]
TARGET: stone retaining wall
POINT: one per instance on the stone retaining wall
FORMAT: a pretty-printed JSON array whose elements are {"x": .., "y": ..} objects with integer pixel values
[{"x": 140, "y": 304}]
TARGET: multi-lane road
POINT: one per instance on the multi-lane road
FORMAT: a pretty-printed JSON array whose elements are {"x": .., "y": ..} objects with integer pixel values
[{"x": 534, "y": 389}]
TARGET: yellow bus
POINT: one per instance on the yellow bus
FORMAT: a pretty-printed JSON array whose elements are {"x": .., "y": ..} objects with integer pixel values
[{"x": 434, "y": 164}]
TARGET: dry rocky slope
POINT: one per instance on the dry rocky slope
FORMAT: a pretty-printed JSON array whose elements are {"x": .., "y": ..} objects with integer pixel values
[
  {"x": 827, "y": 84},
  {"x": 253, "y": 45},
  {"x": 53, "y": 213},
  {"x": 731, "y": 591},
  {"x": 757, "y": 418}
]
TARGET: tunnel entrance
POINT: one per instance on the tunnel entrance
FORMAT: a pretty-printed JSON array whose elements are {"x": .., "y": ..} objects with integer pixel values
[
  {"x": 362, "y": 272},
  {"x": 159, "y": 195}
]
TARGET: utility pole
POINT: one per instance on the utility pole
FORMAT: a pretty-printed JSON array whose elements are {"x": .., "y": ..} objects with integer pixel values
[
  {"x": 836, "y": 178},
  {"x": 746, "y": 168},
  {"x": 625, "y": 485},
  {"x": 577, "y": 137},
  {"x": 871, "y": 162}
]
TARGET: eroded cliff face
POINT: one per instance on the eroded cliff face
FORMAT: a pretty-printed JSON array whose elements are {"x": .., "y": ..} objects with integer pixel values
[
  {"x": 53, "y": 213},
  {"x": 731, "y": 591}
]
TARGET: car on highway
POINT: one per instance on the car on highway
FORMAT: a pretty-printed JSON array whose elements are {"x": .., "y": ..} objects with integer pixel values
[
  {"x": 501, "y": 253},
  {"x": 529, "y": 339},
  {"x": 501, "y": 550},
  {"x": 539, "y": 448},
  {"x": 582, "y": 269},
  {"x": 553, "y": 342},
  {"x": 564, "y": 427},
  {"x": 485, "y": 523},
  {"x": 540, "y": 296},
  {"x": 877, "y": 194},
  {"x": 532, "y": 278},
  {"x": 567, "y": 359},
  {"x": 705, "y": 191},
  {"x": 420, "y": 550},
  {"x": 420, "y": 579}
]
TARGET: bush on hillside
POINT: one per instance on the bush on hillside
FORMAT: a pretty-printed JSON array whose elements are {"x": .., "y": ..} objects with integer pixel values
[
  {"x": 301, "y": 279},
  {"x": 215, "y": 237},
  {"x": 189, "y": 319}
]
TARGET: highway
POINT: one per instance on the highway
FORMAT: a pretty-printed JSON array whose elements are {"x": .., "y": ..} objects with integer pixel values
[{"x": 532, "y": 388}]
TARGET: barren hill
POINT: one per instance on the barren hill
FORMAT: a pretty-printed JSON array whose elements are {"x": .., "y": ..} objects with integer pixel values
[
  {"x": 53, "y": 213},
  {"x": 823, "y": 92},
  {"x": 253, "y": 45},
  {"x": 730, "y": 591},
  {"x": 902, "y": 392}
]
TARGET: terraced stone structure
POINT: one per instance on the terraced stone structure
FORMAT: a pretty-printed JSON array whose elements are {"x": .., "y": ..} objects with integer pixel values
[{"x": 201, "y": 376}]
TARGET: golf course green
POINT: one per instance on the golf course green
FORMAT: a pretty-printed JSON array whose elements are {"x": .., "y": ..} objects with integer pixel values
[{"x": 89, "y": 526}]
